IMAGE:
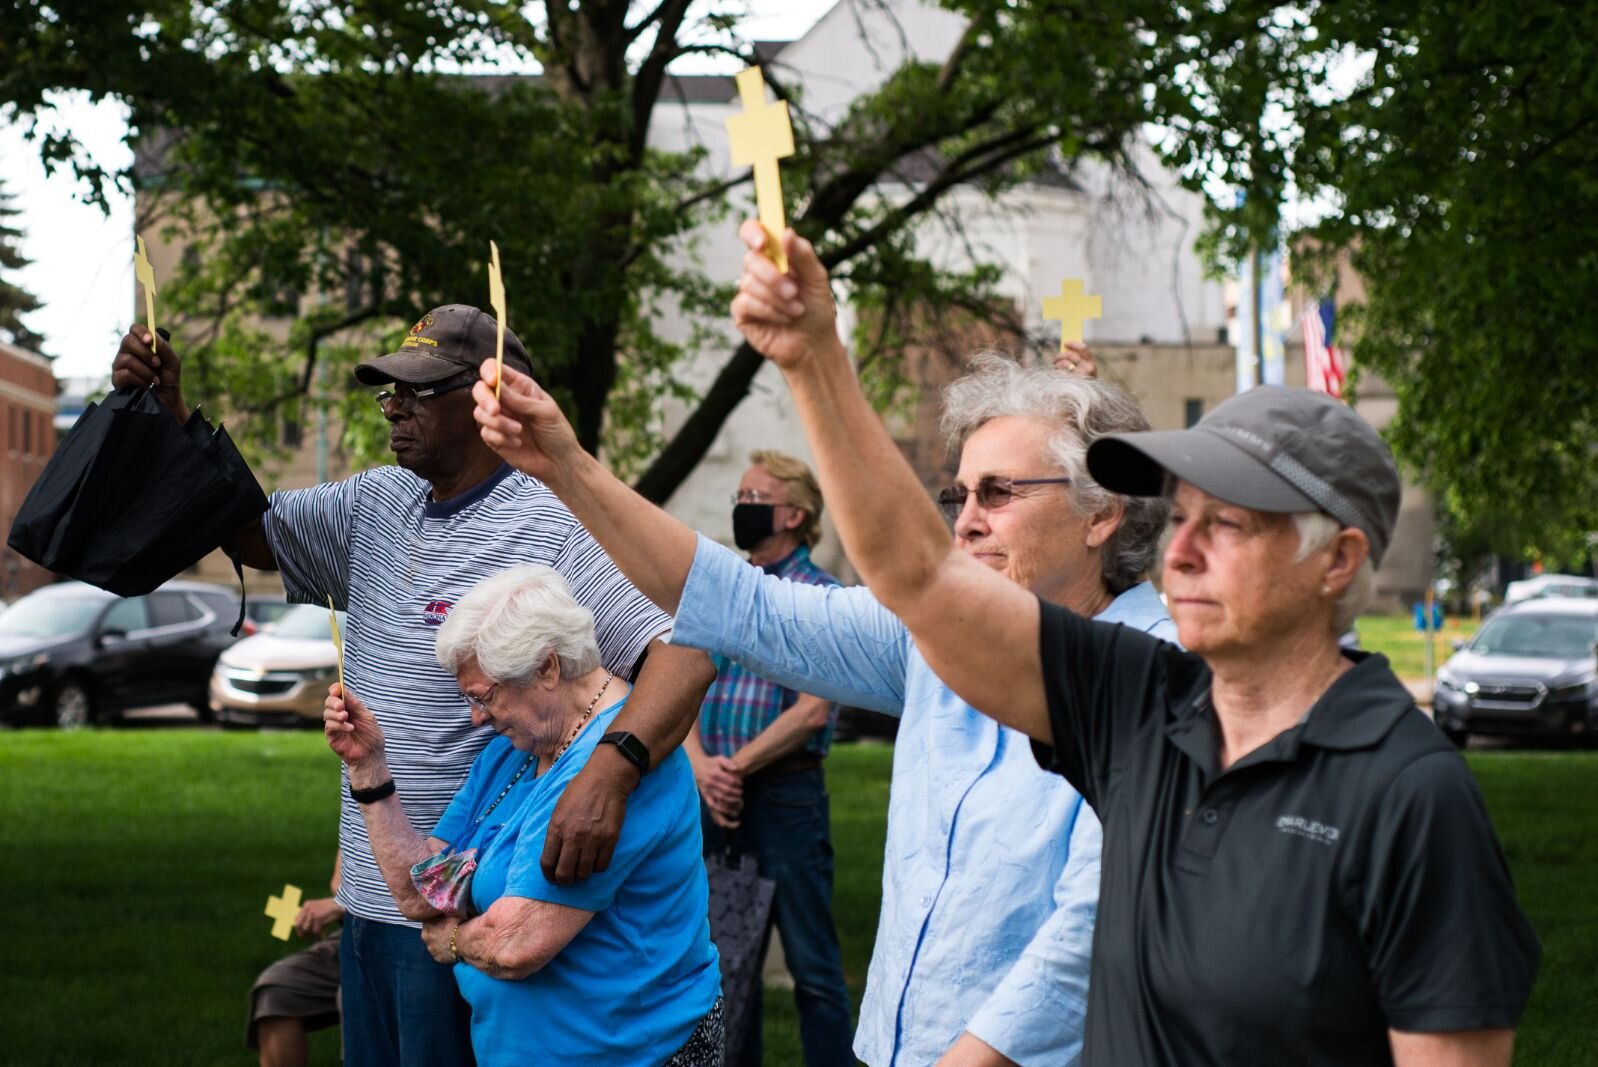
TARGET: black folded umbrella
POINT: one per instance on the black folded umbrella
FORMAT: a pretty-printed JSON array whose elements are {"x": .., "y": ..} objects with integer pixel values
[{"x": 131, "y": 498}]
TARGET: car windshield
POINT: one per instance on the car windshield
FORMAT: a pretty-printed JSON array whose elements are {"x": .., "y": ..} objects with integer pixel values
[
  {"x": 305, "y": 621},
  {"x": 50, "y": 616},
  {"x": 1545, "y": 636}
]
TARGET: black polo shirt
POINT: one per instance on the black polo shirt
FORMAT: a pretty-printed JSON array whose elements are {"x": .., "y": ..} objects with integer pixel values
[{"x": 1342, "y": 879}]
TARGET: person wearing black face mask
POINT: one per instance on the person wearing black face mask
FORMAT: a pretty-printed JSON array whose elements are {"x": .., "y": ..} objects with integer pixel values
[{"x": 757, "y": 759}]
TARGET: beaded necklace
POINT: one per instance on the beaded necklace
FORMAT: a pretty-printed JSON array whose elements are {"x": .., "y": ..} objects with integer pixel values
[{"x": 589, "y": 710}]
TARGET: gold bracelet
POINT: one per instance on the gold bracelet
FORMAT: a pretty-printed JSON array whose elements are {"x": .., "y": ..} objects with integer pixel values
[{"x": 454, "y": 951}]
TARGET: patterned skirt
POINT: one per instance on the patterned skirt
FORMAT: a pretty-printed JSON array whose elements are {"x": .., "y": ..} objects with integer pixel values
[{"x": 703, "y": 1047}]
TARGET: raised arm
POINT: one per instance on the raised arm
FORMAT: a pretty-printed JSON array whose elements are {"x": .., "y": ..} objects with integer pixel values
[
  {"x": 353, "y": 734},
  {"x": 526, "y": 427},
  {"x": 890, "y": 528},
  {"x": 654, "y": 551}
]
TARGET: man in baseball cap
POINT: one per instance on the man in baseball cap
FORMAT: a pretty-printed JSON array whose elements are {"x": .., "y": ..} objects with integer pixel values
[
  {"x": 1271, "y": 449},
  {"x": 444, "y": 343},
  {"x": 397, "y": 546}
]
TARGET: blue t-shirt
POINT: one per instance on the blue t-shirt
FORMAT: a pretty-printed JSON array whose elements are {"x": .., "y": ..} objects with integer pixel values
[{"x": 631, "y": 987}]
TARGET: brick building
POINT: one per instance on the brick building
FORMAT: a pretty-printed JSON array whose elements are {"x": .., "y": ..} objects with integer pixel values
[{"x": 27, "y": 396}]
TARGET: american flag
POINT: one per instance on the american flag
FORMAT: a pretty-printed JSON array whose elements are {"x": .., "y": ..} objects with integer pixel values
[{"x": 1325, "y": 365}]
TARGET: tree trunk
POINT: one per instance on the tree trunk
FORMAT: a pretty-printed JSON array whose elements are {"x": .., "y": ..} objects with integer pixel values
[{"x": 679, "y": 458}]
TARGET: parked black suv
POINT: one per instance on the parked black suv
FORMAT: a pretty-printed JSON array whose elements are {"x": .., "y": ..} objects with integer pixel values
[
  {"x": 71, "y": 654},
  {"x": 1530, "y": 671}
]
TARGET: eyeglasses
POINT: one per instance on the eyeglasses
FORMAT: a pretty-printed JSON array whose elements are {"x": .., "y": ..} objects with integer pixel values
[
  {"x": 756, "y": 496},
  {"x": 405, "y": 396},
  {"x": 991, "y": 492},
  {"x": 480, "y": 704}
]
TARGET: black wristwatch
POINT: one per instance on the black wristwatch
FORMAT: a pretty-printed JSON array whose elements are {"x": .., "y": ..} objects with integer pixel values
[
  {"x": 636, "y": 751},
  {"x": 372, "y": 795}
]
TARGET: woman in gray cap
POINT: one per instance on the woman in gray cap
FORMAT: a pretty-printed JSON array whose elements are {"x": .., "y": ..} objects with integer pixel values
[{"x": 1297, "y": 867}]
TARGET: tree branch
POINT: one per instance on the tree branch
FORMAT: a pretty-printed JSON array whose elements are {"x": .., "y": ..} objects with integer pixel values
[{"x": 652, "y": 73}]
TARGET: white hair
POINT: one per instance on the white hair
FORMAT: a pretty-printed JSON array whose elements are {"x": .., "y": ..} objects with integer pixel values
[
  {"x": 1315, "y": 531},
  {"x": 1085, "y": 409},
  {"x": 511, "y": 622}
]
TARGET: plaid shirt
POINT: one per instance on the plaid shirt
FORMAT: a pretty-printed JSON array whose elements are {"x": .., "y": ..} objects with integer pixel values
[{"x": 740, "y": 705}]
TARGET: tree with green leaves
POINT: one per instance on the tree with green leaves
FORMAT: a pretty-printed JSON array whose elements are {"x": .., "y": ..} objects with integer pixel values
[
  {"x": 15, "y": 301},
  {"x": 1457, "y": 170},
  {"x": 291, "y": 141}
]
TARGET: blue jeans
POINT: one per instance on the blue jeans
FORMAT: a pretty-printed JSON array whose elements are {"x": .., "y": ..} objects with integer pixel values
[
  {"x": 786, "y": 826},
  {"x": 401, "y": 1008}
]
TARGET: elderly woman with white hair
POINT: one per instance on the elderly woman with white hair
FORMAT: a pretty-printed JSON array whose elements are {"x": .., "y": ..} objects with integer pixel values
[
  {"x": 618, "y": 969},
  {"x": 1298, "y": 867}
]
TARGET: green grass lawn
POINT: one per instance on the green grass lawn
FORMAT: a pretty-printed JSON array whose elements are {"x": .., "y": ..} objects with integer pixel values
[
  {"x": 1395, "y": 637},
  {"x": 141, "y": 861}
]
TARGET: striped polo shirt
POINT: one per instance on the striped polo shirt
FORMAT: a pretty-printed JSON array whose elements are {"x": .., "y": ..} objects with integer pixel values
[{"x": 382, "y": 549}]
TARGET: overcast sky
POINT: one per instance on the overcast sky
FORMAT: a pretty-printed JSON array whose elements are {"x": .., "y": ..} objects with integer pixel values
[{"x": 82, "y": 259}]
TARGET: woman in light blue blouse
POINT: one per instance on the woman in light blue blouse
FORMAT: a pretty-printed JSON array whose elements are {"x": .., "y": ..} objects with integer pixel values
[{"x": 618, "y": 969}]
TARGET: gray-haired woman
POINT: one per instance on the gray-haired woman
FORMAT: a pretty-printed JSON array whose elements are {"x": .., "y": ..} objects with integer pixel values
[
  {"x": 1297, "y": 867},
  {"x": 618, "y": 969}
]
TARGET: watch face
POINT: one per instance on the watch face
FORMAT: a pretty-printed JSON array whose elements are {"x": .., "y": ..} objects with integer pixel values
[{"x": 630, "y": 747}]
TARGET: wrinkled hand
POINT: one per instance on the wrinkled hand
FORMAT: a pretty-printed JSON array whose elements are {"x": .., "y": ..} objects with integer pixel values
[
  {"x": 721, "y": 785},
  {"x": 351, "y": 728},
  {"x": 524, "y": 425},
  {"x": 145, "y": 359},
  {"x": 435, "y": 935},
  {"x": 315, "y": 916},
  {"x": 785, "y": 317},
  {"x": 583, "y": 832},
  {"x": 1077, "y": 358}
]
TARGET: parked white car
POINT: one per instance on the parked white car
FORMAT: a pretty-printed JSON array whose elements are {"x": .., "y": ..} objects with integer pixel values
[{"x": 1568, "y": 585}]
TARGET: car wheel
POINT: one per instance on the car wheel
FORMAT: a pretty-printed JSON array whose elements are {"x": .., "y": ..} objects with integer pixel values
[
  {"x": 1458, "y": 738},
  {"x": 71, "y": 706},
  {"x": 202, "y": 708}
]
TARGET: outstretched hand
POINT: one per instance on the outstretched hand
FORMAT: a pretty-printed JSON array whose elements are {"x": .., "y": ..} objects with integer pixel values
[
  {"x": 523, "y": 424},
  {"x": 785, "y": 317},
  {"x": 1077, "y": 358},
  {"x": 144, "y": 360},
  {"x": 351, "y": 728}
]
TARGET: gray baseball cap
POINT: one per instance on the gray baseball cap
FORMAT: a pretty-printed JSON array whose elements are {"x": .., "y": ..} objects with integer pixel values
[
  {"x": 1270, "y": 449},
  {"x": 444, "y": 342}
]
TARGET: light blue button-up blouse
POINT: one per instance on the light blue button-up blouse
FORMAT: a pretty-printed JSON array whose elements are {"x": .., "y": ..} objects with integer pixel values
[{"x": 991, "y": 878}]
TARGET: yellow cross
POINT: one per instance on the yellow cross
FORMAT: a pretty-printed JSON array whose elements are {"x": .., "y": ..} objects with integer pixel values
[
  {"x": 759, "y": 137},
  {"x": 146, "y": 277},
  {"x": 496, "y": 300},
  {"x": 338, "y": 646},
  {"x": 282, "y": 910},
  {"x": 1071, "y": 309}
]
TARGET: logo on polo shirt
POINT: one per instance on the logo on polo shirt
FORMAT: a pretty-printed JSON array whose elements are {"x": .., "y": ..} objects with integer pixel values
[
  {"x": 1309, "y": 829},
  {"x": 434, "y": 612}
]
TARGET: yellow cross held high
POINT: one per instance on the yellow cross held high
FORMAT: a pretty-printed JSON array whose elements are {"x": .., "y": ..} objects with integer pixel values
[
  {"x": 496, "y": 300},
  {"x": 146, "y": 277},
  {"x": 759, "y": 137},
  {"x": 282, "y": 911},
  {"x": 338, "y": 645},
  {"x": 1071, "y": 309}
]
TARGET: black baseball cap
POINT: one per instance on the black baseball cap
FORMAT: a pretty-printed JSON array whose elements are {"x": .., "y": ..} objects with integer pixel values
[
  {"x": 443, "y": 343},
  {"x": 1274, "y": 449}
]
